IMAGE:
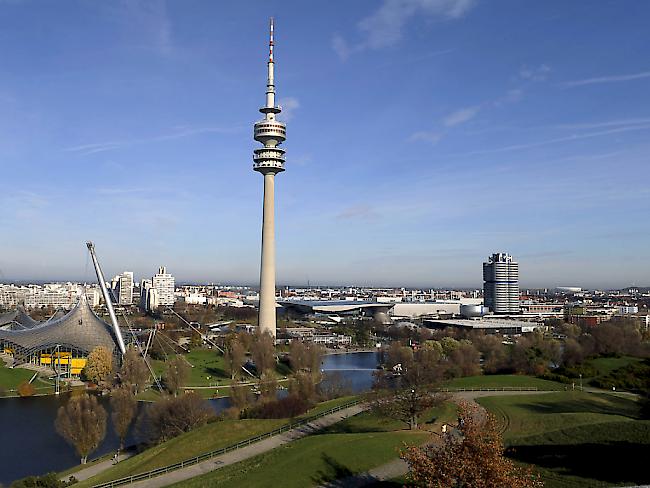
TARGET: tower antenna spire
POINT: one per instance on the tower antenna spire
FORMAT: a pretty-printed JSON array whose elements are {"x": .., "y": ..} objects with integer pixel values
[{"x": 271, "y": 40}]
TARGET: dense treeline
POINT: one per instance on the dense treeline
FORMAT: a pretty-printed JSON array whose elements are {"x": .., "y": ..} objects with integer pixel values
[{"x": 559, "y": 355}]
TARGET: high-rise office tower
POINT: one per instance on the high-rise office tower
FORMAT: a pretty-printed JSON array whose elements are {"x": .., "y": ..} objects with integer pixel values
[
  {"x": 164, "y": 283},
  {"x": 269, "y": 160},
  {"x": 501, "y": 284}
]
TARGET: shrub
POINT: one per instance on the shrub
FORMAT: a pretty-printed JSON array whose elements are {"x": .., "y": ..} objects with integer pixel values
[
  {"x": 171, "y": 416},
  {"x": 289, "y": 406},
  {"x": 26, "y": 389},
  {"x": 49, "y": 480}
]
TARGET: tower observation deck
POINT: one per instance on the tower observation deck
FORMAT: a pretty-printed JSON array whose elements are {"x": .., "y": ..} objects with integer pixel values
[
  {"x": 269, "y": 131},
  {"x": 269, "y": 160}
]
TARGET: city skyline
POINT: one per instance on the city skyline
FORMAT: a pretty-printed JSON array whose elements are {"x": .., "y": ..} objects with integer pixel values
[{"x": 130, "y": 125}]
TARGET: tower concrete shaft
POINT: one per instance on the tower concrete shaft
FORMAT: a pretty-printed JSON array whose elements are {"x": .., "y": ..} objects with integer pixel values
[{"x": 269, "y": 160}]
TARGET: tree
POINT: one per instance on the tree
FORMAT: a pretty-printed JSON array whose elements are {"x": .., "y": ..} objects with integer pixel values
[
  {"x": 314, "y": 359},
  {"x": 297, "y": 355},
  {"x": 465, "y": 360},
  {"x": 171, "y": 416},
  {"x": 405, "y": 404},
  {"x": 235, "y": 357},
  {"x": 268, "y": 386},
  {"x": 473, "y": 456},
  {"x": 572, "y": 353},
  {"x": 176, "y": 374},
  {"x": 493, "y": 351},
  {"x": 134, "y": 373},
  {"x": 263, "y": 352},
  {"x": 399, "y": 355},
  {"x": 124, "y": 407},
  {"x": 82, "y": 423},
  {"x": 303, "y": 386},
  {"x": 99, "y": 366},
  {"x": 240, "y": 396}
]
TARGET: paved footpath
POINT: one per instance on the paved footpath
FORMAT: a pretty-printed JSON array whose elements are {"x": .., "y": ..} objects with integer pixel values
[
  {"x": 92, "y": 470},
  {"x": 249, "y": 451}
]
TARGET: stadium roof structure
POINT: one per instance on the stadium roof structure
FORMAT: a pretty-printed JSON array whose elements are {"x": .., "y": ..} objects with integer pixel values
[
  {"x": 17, "y": 320},
  {"x": 80, "y": 330}
]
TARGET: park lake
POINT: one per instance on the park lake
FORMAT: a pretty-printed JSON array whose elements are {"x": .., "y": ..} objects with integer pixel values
[{"x": 31, "y": 446}]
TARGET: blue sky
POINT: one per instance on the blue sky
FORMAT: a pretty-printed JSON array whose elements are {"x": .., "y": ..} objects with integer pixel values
[{"x": 422, "y": 136}]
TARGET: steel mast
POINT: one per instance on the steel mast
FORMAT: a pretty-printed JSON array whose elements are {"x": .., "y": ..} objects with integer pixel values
[{"x": 107, "y": 297}]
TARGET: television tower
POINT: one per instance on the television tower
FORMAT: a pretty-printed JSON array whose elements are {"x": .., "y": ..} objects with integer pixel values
[{"x": 269, "y": 160}]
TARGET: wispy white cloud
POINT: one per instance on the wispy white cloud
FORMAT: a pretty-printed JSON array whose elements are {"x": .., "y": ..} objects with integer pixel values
[
  {"x": 428, "y": 136},
  {"x": 179, "y": 133},
  {"x": 557, "y": 140},
  {"x": 535, "y": 73},
  {"x": 461, "y": 116},
  {"x": 289, "y": 106},
  {"x": 607, "y": 123},
  {"x": 606, "y": 79},
  {"x": 386, "y": 25}
]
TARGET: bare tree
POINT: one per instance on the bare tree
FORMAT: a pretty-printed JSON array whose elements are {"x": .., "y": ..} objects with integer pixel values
[
  {"x": 263, "y": 352},
  {"x": 406, "y": 404},
  {"x": 465, "y": 360},
  {"x": 99, "y": 366},
  {"x": 303, "y": 386},
  {"x": 176, "y": 375},
  {"x": 268, "y": 386},
  {"x": 134, "y": 373},
  {"x": 297, "y": 355},
  {"x": 240, "y": 396},
  {"x": 235, "y": 357},
  {"x": 314, "y": 359},
  {"x": 124, "y": 407},
  {"x": 82, "y": 423}
]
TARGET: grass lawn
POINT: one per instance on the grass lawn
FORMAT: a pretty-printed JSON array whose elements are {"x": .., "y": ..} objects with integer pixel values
[
  {"x": 11, "y": 378},
  {"x": 370, "y": 421},
  {"x": 210, "y": 437},
  {"x": 607, "y": 365},
  {"x": 504, "y": 381},
  {"x": 208, "y": 368},
  {"x": 312, "y": 460},
  {"x": 525, "y": 415},
  {"x": 575, "y": 439}
]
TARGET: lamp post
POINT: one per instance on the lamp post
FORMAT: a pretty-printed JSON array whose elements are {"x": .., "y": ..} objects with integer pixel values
[{"x": 581, "y": 382}]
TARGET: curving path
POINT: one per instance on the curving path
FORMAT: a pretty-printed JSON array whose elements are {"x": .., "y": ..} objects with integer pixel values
[{"x": 249, "y": 451}]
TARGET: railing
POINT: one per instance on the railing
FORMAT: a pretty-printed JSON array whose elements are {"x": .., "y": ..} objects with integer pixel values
[
  {"x": 504, "y": 388},
  {"x": 218, "y": 452}
]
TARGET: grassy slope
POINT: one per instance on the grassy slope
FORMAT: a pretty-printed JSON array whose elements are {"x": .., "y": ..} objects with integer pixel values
[
  {"x": 525, "y": 415},
  {"x": 575, "y": 439},
  {"x": 11, "y": 378},
  {"x": 312, "y": 460},
  {"x": 607, "y": 365},
  {"x": 351, "y": 446},
  {"x": 504, "y": 381},
  {"x": 210, "y": 437}
]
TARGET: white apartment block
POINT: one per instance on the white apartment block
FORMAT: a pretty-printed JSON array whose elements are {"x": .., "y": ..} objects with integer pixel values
[{"x": 164, "y": 283}]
